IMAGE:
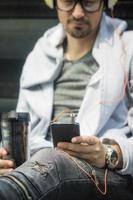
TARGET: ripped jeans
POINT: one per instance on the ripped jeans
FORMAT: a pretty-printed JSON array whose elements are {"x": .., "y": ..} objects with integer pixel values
[{"x": 51, "y": 175}]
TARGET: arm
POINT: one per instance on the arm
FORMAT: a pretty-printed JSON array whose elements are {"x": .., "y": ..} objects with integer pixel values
[{"x": 121, "y": 140}]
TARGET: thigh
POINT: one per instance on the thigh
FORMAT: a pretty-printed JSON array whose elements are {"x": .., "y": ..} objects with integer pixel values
[
  {"x": 53, "y": 175},
  {"x": 82, "y": 184}
]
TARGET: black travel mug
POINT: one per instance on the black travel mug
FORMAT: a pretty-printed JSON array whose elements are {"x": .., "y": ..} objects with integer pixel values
[{"x": 14, "y": 132}]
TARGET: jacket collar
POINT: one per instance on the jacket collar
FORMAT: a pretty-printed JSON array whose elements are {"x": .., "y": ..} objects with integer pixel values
[
  {"x": 106, "y": 87},
  {"x": 44, "y": 63}
]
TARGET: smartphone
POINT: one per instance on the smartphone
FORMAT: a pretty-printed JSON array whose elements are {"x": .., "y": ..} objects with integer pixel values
[{"x": 64, "y": 132}]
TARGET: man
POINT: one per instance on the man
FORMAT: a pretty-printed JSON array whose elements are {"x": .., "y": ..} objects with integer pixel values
[{"x": 82, "y": 64}]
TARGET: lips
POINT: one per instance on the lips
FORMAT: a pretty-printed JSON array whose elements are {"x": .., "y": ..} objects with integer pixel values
[{"x": 78, "y": 25}]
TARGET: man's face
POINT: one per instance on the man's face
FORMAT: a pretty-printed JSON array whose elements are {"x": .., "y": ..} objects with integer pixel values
[{"x": 78, "y": 22}]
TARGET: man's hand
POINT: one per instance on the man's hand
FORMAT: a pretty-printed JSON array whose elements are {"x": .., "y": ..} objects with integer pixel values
[
  {"x": 5, "y": 165},
  {"x": 89, "y": 148}
]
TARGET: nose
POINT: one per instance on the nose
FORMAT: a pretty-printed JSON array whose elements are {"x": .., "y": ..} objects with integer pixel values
[{"x": 78, "y": 11}]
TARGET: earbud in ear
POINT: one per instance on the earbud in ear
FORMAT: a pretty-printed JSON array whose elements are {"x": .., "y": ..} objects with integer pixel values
[
  {"x": 111, "y": 3},
  {"x": 49, "y": 3}
]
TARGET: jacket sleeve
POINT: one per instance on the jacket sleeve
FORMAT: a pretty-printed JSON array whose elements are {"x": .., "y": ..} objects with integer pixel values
[{"x": 124, "y": 136}]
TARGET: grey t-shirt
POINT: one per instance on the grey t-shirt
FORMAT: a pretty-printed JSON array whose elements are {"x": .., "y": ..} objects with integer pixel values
[{"x": 70, "y": 86}]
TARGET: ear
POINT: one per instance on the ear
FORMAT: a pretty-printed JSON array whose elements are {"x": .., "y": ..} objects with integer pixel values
[{"x": 49, "y": 3}]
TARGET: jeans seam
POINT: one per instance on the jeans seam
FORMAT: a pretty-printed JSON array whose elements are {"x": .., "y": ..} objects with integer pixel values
[
  {"x": 59, "y": 185},
  {"x": 25, "y": 196},
  {"x": 36, "y": 189},
  {"x": 50, "y": 190}
]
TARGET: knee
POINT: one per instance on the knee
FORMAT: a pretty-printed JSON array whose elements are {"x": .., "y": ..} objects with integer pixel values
[{"x": 44, "y": 155}]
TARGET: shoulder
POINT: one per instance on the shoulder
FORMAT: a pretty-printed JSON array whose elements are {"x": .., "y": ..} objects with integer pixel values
[
  {"x": 53, "y": 36},
  {"x": 127, "y": 38},
  {"x": 40, "y": 63}
]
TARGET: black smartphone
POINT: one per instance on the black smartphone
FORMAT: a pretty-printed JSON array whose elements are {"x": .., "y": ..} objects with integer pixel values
[{"x": 64, "y": 132}]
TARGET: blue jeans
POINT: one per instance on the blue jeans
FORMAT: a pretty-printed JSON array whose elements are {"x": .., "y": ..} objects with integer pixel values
[{"x": 51, "y": 175}]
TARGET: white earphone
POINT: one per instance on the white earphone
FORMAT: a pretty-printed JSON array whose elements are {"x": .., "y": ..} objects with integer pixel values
[
  {"x": 50, "y": 3},
  {"x": 111, "y": 3}
]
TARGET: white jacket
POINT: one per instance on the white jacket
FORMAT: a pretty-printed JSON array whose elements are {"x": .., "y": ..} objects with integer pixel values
[{"x": 106, "y": 110}]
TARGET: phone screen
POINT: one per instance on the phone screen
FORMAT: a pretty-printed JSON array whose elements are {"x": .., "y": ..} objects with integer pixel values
[{"x": 64, "y": 132}]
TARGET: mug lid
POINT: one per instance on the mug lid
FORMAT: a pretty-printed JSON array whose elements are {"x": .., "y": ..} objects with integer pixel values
[{"x": 13, "y": 115}]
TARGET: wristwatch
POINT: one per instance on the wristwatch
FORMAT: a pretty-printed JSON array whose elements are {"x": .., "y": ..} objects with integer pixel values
[{"x": 111, "y": 157}]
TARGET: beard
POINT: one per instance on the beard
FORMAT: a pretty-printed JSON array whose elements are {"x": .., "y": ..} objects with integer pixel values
[{"x": 79, "y": 31}]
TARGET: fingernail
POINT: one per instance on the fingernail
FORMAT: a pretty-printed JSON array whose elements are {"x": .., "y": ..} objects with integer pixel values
[
  {"x": 10, "y": 163},
  {"x": 74, "y": 139},
  {"x": 59, "y": 144},
  {"x": 4, "y": 152},
  {"x": 10, "y": 170}
]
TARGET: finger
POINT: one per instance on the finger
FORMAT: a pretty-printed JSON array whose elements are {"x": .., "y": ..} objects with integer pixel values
[
  {"x": 90, "y": 140},
  {"x": 5, "y": 171},
  {"x": 5, "y": 164},
  {"x": 79, "y": 148},
  {"x": 3, "y": 152},
  {"x": 79, "y": 155}
]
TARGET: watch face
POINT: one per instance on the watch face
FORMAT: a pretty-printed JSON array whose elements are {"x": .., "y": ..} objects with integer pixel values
[
  {"x": 111, "y": 157},
  {"x": 114, "y": 158}
]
